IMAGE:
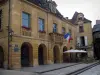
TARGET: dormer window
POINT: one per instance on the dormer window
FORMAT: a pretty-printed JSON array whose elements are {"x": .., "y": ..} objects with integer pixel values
[
  {"x": 80, "y": 18},
  {"x": 52, "y": 6}
]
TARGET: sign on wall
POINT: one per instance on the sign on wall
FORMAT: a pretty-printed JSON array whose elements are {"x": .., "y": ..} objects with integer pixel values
[{"x": 16, "y": 48}]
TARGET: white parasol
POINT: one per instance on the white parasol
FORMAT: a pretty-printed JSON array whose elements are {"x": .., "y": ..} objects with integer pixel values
[{"x": 75, "y": 51}]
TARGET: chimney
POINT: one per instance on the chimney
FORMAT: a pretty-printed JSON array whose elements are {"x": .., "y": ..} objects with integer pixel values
[{"x": 97, "y": 21}]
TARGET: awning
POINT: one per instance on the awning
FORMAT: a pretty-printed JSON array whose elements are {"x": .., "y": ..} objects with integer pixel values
[{"x": 75, "y": 51}]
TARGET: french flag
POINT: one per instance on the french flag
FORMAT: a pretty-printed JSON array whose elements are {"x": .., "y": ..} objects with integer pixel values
[{"x": 68, "y": 37}]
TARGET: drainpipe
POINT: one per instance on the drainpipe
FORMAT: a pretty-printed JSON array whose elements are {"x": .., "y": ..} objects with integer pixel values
[{"x": 8, "y": 34}]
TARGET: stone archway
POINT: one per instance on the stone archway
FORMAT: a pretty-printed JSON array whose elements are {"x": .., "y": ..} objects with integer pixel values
[
  {"x": 1, "y": 57},
  {"x": 65, "y": 56},
  {"x": 56, "y": 54},
  {"x": 26, "y": 55},
  {"x": 42, "y": 54}
]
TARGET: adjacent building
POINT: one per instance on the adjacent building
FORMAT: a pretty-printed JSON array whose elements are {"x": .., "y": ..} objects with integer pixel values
[
  {"x": 96, "y": 39},
  {"x": 84, "y": 33}
]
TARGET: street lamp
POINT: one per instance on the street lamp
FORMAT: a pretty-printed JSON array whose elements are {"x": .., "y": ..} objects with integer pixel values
[{"x": 8, "y": 34}]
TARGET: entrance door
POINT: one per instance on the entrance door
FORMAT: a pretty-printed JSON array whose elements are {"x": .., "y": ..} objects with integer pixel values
[
  {"x": 40, "y": 55},
  {"x": 65, "y": 56},
  {"x": 56, "y": 54},
  {"x": 1, "y": 57},
  {"x": 25, "y": 61}
]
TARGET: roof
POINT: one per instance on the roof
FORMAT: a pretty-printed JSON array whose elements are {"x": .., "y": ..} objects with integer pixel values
[
  {"x": 74, "y": 18},
  {"x": 96, "y": 28},
  {"x": 86, "y": 20},
  {"x": 45, "y": 5}
]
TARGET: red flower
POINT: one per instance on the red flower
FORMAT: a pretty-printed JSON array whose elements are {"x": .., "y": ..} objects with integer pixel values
[
  {"x": 42, "y": 31},
  {"x": 27, "y": 28}
]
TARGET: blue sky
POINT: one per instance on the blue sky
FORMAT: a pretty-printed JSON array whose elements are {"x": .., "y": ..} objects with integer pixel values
[{"x": 90, "y": 8}]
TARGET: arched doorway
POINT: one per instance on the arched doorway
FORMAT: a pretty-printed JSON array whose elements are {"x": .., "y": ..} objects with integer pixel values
[
  {"x": 42, "y": 54},
  {"x": 26, "y": 54},
  {"x": 1, "y": 57},
  {"x": 65, "y": 56},
  {"x": 56, "y": 54}
]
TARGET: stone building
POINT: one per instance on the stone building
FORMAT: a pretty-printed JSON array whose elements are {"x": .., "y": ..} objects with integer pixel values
[
  {"x": 84, "y": 33},
  {"x": 31, "y": 33}
]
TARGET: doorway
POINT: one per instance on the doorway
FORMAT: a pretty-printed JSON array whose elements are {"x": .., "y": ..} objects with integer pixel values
[
  {"x": 65, "y": 56},
  {"x": 26, "y": 55},
  {"x": 56, "y": 54},
  {"x": 1, "y": 57},
  {"x": 42, "y": 54}
]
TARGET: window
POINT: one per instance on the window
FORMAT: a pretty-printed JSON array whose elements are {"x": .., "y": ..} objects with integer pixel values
[
  {"x": 81, "y": 29},
  {"x": 0, "y": 18},
  {"x": 25, "y": 20},
  {"x": 82, "y": 41},
  {"x": 41, "y": 24},
  {"x": 54, "y": 27},
  {"x": 80, "y": 18},
  {"x": 70, "y": 31},
  {"x": 63, "y": 30}
]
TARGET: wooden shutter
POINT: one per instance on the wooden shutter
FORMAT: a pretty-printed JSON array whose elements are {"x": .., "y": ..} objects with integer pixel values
[
  {"x": 86, "y": 42},
  {"x": 78, "y": 41}
]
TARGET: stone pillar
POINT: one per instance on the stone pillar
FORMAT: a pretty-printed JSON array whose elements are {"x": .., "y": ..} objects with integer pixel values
[
  {"x": 35, "y": 54},
  {"x": 15, "y": 55},
  {"x": 50, "y": 56}
]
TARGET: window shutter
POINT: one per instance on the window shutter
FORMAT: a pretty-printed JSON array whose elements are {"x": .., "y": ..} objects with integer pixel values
[
  {"x": 86, "y": 42},
  {"x": 78, "y": 41}
]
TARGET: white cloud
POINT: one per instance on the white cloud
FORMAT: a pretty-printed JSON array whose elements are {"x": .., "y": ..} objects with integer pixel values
[{"x": 90, "y": 8}]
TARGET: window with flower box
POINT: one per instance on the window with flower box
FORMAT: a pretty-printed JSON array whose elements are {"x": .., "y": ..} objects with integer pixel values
[
  {"x": 26, "y": 20},
  {"x": 41, "y": 25}
]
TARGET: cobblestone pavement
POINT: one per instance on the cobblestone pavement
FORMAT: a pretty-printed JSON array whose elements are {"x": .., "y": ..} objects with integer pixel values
[
  {"x": 65, "y": 71},
  {"x": 93, "y": 71},
  {"x": 33, "y": 70},
  {"x": 44, "y": 68},
  {"x": 37, "y": 70},
  {"x": 13, "y": 72}
]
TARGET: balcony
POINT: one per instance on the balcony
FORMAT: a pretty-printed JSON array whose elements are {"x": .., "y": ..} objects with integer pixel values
[{"x": 56, "y": 38}]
